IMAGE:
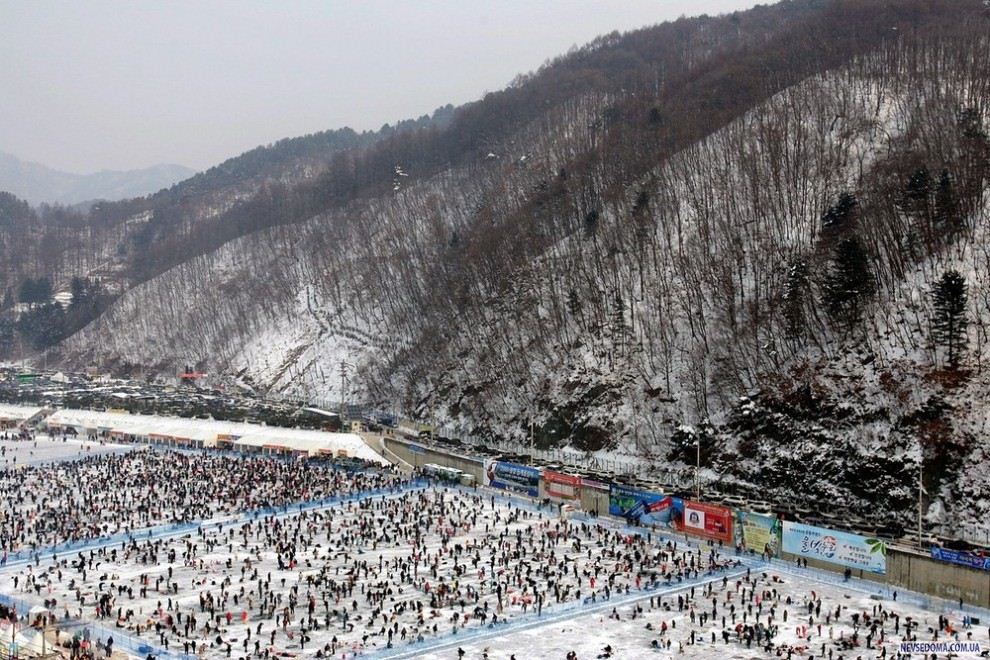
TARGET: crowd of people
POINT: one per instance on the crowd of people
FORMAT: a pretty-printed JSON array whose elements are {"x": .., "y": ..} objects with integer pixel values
[
  {"x": 103, "y": 495},
  {"x": 755, "y": 614},
  {"x": 363, "y": 575},
  {"x": 390, "y": 569}
]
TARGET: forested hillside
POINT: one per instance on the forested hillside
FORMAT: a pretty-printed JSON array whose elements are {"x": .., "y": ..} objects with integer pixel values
[{"x": 763, "y": 232}]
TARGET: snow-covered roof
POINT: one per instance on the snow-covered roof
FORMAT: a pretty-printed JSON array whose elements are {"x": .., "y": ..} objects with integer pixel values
[
  {"x": 207, "y": 430},
  {"x": 311, "y": 442},
  {"x": 12, "y": 413}
]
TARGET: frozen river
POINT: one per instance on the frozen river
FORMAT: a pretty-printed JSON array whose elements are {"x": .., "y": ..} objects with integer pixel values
[
  {"x": 46, "y": 450},
  {"x": 431, "y": 573}
]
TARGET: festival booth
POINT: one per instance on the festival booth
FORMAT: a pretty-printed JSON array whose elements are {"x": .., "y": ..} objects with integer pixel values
[
  {"x": 263, "y": 443},
  {"x": 256, "y": 444},
  {"x": 305, "y": 444},
  {"x": 120, "y": 436},
  {"x": 207, "y": 433}
]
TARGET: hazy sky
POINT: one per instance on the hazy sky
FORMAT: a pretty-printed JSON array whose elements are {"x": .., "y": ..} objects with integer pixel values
[{"x": 89, "y": 85}]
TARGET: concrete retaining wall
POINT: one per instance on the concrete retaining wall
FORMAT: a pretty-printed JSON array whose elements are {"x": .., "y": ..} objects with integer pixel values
[
  {"x": 417, "y": 455},
  {"x": 915, "y": 571},
  {"x": 594, "y": 500}
]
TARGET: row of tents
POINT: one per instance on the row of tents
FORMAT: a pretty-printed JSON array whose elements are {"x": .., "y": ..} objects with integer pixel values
[{"x": 126, "y": 428}]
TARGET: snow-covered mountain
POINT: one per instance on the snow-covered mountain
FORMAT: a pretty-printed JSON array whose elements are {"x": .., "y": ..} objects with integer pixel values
[
  {"x": 723, "y": 231},
  {"x": 40, "y": 184}
]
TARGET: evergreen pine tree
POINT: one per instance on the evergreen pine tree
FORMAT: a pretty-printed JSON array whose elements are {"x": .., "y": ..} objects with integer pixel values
[
  {"x": 918, "y": 188},
  {"x": 849, "y": 283},
  {"x": 590, "y": 223},
  {"x": 949, "y": 321},
  {"x": 946, "y": 206},
  {"x": 573, "y": 303},
  {"x": 620, "y": 331},
  {"x": 838, "y": 216}
]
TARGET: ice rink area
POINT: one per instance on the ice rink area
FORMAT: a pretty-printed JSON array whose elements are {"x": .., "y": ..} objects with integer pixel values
[
  {"x": 809, "y": 618},
  {"x": 395, "y": 569},
  {"x": 94, "y": 495},
  {"x": 43, "y": 449},
  {"x": 364, "y": 576}
]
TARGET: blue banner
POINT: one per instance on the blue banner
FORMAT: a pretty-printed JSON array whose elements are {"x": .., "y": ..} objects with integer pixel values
[
  {"x": 842, "y": 548},
  {"x": 643, "y": 507},
  {"x": 512, "y": 476},
  {"x": 961, "y": 558}
]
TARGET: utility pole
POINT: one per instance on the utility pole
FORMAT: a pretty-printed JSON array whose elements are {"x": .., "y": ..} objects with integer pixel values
[
  {"x": 343, "y": 380},
  {"x": 921, "y": 488},
  {"x": 697, "y": 470},
  {"x": 532, "y": 444}
]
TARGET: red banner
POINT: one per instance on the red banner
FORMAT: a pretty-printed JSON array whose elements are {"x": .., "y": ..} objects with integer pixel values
[
  {"x": 558, "y": 484},
  {"x": 707, "y": 520}
]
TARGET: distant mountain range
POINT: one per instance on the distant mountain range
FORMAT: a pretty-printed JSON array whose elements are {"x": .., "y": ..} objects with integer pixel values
[{"x": 38, "y": 183}]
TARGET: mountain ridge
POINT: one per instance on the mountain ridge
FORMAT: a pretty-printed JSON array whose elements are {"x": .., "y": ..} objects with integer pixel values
[
  {"x": 648, "y": 244},
  {"x": 39, "y": 184}
]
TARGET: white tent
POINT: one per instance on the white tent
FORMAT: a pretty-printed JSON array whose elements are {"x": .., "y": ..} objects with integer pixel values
[
  {"x": 12, "y": 413},
  {"x": 204, "y": 432}
]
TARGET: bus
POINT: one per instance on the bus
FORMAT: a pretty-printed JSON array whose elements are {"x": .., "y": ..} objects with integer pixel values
[{"x": 442, "y": 473}]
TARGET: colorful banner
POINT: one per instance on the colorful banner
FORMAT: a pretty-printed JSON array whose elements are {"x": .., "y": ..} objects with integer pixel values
[
  {"x": 758, "y": 532},
  {"x": 708, "y": 520},
  {"x": 512, "y": 476},
  {"x": 961, "y": 558},
  {"x": 564, "y": 486},
  {"x": 643, "y": 507},
  {"x": 842, "y": 548}
]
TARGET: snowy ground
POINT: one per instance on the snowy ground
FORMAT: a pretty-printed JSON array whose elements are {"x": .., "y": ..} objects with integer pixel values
[
  {"x": 51, "y": 502},
  {"x": 422, "y": 564},
  {"x": 436, "y": 567},
  {"x": 628, "y": 635},
  {"x": 43, "y": 449}
]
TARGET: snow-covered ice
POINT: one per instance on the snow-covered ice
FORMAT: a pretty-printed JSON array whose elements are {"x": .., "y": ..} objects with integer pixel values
[
  {"x": 42, "y": 449},
  {"x": 426, "y": 571}
]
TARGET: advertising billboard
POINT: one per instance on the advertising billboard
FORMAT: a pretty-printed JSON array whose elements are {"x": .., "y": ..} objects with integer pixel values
[
  {"x": 642, "y": 507},
  {"x": 564, "y": 486},
  {"x": 758, "y": 532},
  {"x": 512, "y": 476},
  {"x": 707, "y": 520},
  {"x": 961, "y": 558},
  {"x": 842, "y": 548}
]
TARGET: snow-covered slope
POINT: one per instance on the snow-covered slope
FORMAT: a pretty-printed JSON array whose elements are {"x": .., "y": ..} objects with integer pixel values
[{"x": 632, "y": 313}]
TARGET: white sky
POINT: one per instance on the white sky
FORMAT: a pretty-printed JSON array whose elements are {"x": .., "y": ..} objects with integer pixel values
[{"x": 116, "y": 85}]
